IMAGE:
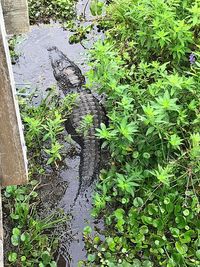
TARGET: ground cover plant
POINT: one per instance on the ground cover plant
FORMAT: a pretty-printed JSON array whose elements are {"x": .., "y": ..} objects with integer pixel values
[
  {"x": 149, "y": 68},
  {"x": 12, "y": 42},
  {"x": 46, "y": 10},
  {"x": 32, "y": 239}
]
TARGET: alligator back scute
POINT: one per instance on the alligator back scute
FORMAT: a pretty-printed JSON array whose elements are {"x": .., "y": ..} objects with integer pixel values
[
  {"x": 86, "y": 104},
  {"x": 70, "y": 80}
]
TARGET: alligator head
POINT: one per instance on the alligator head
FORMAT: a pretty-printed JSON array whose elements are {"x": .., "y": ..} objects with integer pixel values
[
  {"x": 65, "y": 71},
  {"x": 58, "y": 60}
]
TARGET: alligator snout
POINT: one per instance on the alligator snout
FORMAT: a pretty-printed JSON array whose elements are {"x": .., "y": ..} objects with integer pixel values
[{"x": 52, "y": 48}]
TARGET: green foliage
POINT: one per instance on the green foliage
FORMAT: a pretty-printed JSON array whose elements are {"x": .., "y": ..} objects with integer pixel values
[
  {"x": 44, "y": 126},
  {"x": 156, "y": 29},
  {"x": 96, "y": 7},
  {"x": 12, "y": 42},
  {"x": 44, "y": 10},
  {"x": 80, "y": 33},
  {"x": 149, "y": 67},
  {"x": 32, "y": 241},
  {"x": 85, "y": 124}
]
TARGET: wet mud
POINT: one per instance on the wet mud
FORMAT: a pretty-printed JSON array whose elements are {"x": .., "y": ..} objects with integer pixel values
[{"x": 33, "y": 71}]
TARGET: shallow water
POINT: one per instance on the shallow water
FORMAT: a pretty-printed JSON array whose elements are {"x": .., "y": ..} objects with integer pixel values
[
  {"x": 33, "y": 67},
  {"x": 33, "y": 70}
]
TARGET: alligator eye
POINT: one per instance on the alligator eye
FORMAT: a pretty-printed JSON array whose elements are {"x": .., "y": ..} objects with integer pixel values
[{"x": 57, "y": 63}]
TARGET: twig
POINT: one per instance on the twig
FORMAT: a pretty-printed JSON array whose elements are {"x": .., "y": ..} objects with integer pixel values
[
  {"x": 96, "y": 19},
  {"x": 84, "y": 10},
  {"x": 82, "y": 45}
]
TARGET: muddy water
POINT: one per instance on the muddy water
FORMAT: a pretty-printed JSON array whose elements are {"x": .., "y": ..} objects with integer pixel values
[{"x": 33, "y": 70}]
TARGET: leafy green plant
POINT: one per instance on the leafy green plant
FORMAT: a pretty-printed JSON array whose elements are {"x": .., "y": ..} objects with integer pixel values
[
  {"x": 44, "y": 125},
  {"x": 148, "y": 67},
  {"x": 96, "y": 7},
  {"x": 43, "y": 11},
  {"x": 12, "y": 42},
  {"x": 32, "y": 239},
  {"x": 54, "y": 152},
  {"x": 85, "y": 124},
  {"x": 31, "y": 243}
]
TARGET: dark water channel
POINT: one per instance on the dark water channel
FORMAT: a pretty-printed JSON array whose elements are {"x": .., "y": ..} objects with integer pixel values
[{"x": 33, "y": 70}]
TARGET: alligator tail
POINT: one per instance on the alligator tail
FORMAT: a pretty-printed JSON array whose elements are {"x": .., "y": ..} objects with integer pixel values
[{"x": 89, "y": 163}]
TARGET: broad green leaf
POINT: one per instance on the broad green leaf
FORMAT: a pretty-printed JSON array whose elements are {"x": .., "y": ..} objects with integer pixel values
[{"x": 181, "y": 248}]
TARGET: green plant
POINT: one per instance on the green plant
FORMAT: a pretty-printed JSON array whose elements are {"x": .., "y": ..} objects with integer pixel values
[
  {"x": 12, "y": 42},
  {"x": 54, "y": 152},
  {"x": 85, "y": 124},
  {"x": 148, "y": 67},
  {"x": 96, "y": 7},
  {"x": 43, "y": 11},
  {"x": 170, "y": 33},
  {"x": 44, "y": 125},
  {"x": 32, "y": 239}
]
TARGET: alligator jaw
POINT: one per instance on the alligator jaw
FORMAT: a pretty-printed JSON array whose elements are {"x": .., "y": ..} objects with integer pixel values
[
  {"x": 67, "y": 74},
  {"x": 56, "y": 58},
  {"x": 52, "y": 48}
]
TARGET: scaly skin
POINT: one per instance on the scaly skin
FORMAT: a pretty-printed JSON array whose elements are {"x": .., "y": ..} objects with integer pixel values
[
  {"x": 66, "y": 72},
  {"x": 70, "y": 80}
]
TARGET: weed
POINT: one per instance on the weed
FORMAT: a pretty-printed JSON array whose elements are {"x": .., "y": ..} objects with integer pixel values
[
  {"x": 44, "y": 125},
  {"x": 32, "y": 242},
  {"x": 12, "y": 42},
  {"x": 149, "y": 195},
  {"x": 44, "y": 11},
  {"x": 85, "y": 124}
]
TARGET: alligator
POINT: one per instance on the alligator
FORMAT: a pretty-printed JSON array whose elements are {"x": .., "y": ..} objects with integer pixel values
[{"x": 71, "y": 80}]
